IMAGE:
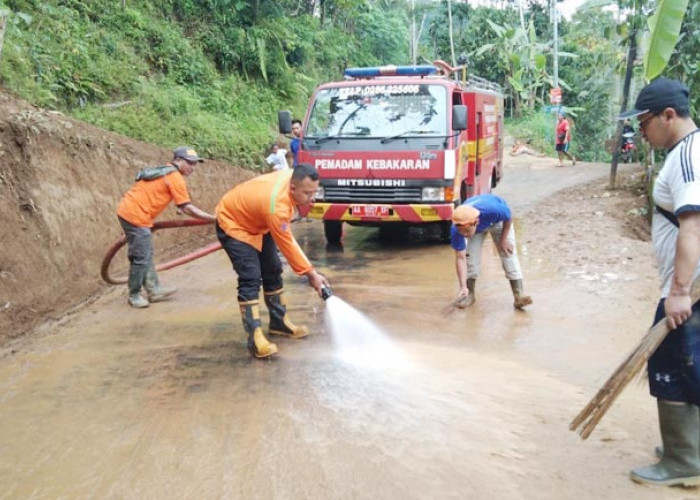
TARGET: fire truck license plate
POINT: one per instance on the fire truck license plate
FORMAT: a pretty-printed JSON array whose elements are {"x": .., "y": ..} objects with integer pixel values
[{"x": 369, "y": 211}]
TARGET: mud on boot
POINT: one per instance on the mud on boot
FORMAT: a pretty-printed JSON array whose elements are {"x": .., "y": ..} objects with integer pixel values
[
  {"x": 519, "y": 300},
  {"x": 155, "y": 291},
  {"x": 137, "y": 301},
  {"x": 469, "y": 299},
  {"x": 258, "y": 345},
  {"x": 280, "y": 324},
  {"x": 137, "y": 275}
]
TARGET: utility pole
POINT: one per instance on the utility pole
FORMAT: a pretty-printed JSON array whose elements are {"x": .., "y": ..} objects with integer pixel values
[
  {"x": 555, "y": 25},
  {"x": 452, "y": 42},
  {"x": 414, "y": 42}
]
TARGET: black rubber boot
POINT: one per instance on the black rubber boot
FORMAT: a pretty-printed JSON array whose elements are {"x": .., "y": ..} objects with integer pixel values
[
  {"x": 280, "y": 323},
  {"x": 258, "y": 345},
  {"x": 137, "y": 275},
  {"x": 519, "y": 300},
  {"x": 155, "y": 291},
  {"x": 680, "y": 433}
]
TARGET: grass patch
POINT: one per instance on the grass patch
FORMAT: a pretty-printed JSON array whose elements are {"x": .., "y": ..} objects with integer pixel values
[{"x": 537, "y": 129}]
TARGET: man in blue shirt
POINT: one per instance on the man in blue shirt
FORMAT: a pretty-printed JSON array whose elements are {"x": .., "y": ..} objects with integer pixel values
[
  {"x": 295, "y": 143},
  {"x": 471, "y": 221}
]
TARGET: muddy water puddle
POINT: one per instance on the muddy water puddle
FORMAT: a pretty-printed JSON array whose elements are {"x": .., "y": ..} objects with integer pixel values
[{"x": 167, "y": 404}]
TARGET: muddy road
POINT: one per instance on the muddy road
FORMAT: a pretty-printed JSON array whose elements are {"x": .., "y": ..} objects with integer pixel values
[{"x": 165, "y": 403}]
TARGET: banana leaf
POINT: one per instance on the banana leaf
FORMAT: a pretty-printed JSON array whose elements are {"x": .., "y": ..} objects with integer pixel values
[{"x": 664, "y": 28}]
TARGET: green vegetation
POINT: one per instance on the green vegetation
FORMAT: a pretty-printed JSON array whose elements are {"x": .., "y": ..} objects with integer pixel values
[
  {"x": 684, "y": 63},
  {"x": 208, "y": 73},
  {"x": 213, "y": 73},
  {"x": 538, "y": 130}
]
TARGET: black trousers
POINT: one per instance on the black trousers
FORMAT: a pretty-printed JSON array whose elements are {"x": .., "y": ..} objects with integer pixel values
[{"x": 252, "y": 267}]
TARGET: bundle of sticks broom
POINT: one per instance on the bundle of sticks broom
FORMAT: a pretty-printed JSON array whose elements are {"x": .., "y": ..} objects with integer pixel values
[{"x": 589, "y": 417}]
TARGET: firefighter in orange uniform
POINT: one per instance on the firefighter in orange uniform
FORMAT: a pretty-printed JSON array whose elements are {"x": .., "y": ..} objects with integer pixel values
[
  {"x": 154, "y": 189},
  {"x": 253, "y": 220}
]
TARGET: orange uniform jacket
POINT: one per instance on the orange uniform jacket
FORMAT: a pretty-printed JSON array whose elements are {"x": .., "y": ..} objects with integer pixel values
[
  {"x": 146, "y": 199},
  {"x": 259, "y": 206}
]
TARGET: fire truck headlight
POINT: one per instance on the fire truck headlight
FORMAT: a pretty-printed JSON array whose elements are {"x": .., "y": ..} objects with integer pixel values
[
  {"x": 319, "y": 193},
  {"x": 433, "y": 194}
]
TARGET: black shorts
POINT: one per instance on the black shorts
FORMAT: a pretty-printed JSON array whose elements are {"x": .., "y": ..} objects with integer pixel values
[
  {"x": 563, "y": 147},
  {"x": 674, "y": 369}
]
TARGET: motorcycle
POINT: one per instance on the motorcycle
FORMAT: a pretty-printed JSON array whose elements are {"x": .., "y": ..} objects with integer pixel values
[{"x": 628, "y": 149}]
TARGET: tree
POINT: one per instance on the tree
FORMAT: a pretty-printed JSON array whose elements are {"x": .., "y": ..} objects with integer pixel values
[
  {"x": 523, "y": 58},
  {"x": 591, "y": 79},
  {"x": 664, "y": 26}
]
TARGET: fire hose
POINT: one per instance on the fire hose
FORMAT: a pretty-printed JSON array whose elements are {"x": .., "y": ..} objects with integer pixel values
[{"x": 166, "y": 224}]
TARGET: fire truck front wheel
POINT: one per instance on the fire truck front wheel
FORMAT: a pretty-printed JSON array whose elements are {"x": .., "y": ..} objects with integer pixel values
[{"x": 333, "y": 229}]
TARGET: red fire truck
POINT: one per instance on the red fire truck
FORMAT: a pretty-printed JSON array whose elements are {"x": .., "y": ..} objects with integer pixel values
[{"x": 398, "y": 146}]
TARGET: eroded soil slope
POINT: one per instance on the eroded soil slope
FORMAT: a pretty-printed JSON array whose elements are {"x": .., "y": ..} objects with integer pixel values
[{"x": 60, "y": 182}]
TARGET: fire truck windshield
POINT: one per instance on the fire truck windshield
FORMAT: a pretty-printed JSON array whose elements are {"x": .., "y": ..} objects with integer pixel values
[{"x": 378, "y": 111}]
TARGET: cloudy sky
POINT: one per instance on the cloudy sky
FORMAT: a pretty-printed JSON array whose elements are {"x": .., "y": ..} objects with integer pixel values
[{"x": 567, "y": 7}]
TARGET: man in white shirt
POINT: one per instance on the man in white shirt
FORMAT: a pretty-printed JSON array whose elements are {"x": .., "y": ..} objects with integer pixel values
[
  {"x": 663, "y": 111},
  {"x": 277, "y": 158}
]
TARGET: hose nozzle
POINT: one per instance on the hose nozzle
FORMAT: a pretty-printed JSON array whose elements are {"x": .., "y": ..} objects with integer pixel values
[{"x": 326, "y": 292}]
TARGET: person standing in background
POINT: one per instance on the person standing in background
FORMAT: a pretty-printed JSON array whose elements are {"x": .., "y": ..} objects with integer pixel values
[
  {"x": 277, "y": 158},
  {"x": 295, "y": 143},
  {"x": 563, "y": 139}
]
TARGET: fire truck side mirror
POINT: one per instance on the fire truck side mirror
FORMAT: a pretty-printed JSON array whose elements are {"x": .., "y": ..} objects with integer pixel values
[
  {"x": 284, "y": 118},
  {"x": 459, "y": 117}
]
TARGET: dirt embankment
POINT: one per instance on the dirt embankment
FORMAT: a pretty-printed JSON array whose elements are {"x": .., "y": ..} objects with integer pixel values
[{"x": 60, "y": 182}]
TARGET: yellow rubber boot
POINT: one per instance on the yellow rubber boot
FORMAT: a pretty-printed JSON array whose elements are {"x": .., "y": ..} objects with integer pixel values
[
  {"x": 258, "y": 345},
  {"x": 280, "y": 324}
]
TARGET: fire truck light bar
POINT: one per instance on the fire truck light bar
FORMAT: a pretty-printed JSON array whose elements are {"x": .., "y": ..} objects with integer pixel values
[{"x": 390, "y": 71}]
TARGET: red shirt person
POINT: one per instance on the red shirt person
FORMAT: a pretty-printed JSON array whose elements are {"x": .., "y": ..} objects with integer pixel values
[{"x": 563, "y": 138}]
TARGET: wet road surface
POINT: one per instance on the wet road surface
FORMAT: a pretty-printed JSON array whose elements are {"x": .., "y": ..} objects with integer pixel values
[{"x": 165, "y": 403}]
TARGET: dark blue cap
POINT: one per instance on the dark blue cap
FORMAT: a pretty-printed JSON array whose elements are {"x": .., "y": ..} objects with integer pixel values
[{"x": 658, "y": 95}]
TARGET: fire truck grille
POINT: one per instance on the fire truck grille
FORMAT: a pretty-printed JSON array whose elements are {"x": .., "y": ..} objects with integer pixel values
[{"x": 373, "y": 194}]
